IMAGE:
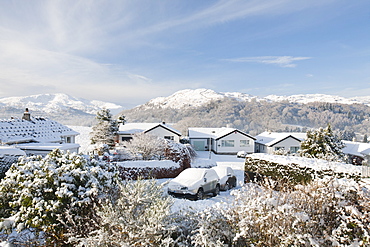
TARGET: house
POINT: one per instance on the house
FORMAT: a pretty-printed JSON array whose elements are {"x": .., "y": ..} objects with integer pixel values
[
  {"x": 356, "y": 152},
  {"x": 269, "y": 142},
  {"x": 37, "y": 132},
  {"x": 220, "y": 140},
  {"x": 163, "y": 130}
]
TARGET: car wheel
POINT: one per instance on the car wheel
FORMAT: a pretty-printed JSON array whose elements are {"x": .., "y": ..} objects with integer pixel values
[
  {"x": 217, "y": 190},
  {"x": 227, "y": 186},
  {"x": 200, "y": 194}
]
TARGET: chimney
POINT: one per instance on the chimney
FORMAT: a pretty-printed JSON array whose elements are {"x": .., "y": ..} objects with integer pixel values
[{"x": 26, "y": 115}]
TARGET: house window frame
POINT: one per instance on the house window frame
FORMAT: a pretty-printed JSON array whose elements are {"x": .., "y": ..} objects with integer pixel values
[
  {"x": 246, "y": 144},
  {"x": 228, "y": 143},
  {"x": 294, "y": 149},
  {"x": 172, "y": 138}
]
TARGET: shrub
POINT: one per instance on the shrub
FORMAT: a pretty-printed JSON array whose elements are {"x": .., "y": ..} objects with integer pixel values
[
  {"x": 138, "y": 215},
  {"x": 54, "y": 195}
]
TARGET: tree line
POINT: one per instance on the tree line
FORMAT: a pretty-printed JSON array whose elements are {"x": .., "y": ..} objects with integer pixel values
[{"x": 257, "y": 116}]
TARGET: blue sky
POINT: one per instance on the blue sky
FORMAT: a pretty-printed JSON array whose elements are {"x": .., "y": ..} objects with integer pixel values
[{"x": 129, "y": 52}]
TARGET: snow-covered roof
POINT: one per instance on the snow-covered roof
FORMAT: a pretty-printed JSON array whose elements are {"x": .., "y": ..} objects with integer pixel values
[
  {"x": 214, "y": 133},
  {"x": 133, "y": 128},
  {"x": 48, "y": 146},
  {"x": 270, "y": 138},
  {"x": 9, "y": 150},
  {"x": 356, "y": 148},
  {"x": 38, "y": 130}
]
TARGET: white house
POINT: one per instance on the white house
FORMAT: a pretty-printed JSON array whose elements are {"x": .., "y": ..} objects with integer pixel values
[
  {"x": 37, "y": 132},
  {"x": 166, "y": 131},
  {"x": 221, "y": 140},
  {"x": 356, "y": 151},
  {"x": 269, "y": 142}
]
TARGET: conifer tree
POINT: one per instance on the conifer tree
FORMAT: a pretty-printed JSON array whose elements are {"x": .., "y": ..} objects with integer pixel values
[
  {"x": 322, "y": 143},
  {"x": 104, "y": 132}
]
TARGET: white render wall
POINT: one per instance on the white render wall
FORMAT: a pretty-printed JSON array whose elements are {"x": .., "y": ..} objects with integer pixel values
[
  {"x": 236, "y": 137},
  {"x": 162, "y": 132}
]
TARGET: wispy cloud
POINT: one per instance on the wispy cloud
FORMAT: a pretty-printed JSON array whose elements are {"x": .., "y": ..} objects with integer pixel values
[{"x": 282, "y": 61}]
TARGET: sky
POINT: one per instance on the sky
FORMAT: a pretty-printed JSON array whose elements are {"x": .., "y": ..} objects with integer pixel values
[{"x": 129, "y": 52}]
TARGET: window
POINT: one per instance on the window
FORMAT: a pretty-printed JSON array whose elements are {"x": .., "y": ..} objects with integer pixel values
[
  {"x": 68, "y": 139},
  {"x": 227, "y": 143},
  {"x": 126, "y": 139},
  {"x": 169, "y": 138},
  {"x": 294, "y": 149},
  {"x": 278, "y": 148},
  {"x": 244, "y": 143}
]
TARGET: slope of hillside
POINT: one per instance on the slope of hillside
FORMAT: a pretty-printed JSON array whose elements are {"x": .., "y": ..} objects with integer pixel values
[
  {"x": 194, "y": 98},
  {"x": 198, "y": 97},
  {"x": 52, "y": 103}
]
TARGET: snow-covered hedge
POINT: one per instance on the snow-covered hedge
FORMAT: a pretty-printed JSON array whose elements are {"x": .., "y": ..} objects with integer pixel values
[
  {"x": 54, "y": 195},
  {"x": 287, "y": 173},
  {"x": 176, "y": 158}
]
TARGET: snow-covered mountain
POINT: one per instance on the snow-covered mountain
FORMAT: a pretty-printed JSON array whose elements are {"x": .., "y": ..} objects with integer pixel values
[
  {"x": 194, "y": 98},
  {"x": 309, "y": 98},
  {"x": 198, "y": 97},
  {"x": 54, "y": 103}
]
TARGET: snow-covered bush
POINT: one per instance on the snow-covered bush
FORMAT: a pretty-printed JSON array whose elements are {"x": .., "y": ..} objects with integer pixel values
[
  {"x": 146, "y": 146},
  {"x": 326, "y": 212},
  {"x": 179, "y": 153},
  {"x": 212, "y": 228},
  {"x": 281, "y": 151},
  {"x": 54, "y": 195},
  {"x": 138, "y": 215}
]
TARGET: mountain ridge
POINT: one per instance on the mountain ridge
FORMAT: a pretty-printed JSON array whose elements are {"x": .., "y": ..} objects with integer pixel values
[
  {"x": 198, "y": 97},
  {"x": 53, "y": 103}
]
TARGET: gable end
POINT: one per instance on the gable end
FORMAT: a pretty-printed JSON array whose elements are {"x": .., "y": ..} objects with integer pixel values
[
  {"x": 244, "y": 134},
  {"x": 284, "y": 140},
  {"x": 166, "y": 128}
]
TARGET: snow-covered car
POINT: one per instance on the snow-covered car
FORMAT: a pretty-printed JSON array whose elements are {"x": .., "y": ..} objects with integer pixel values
[
  {"x": 195, "y": 183},
  {"x": 241, "y": 154},
  {"x": 227, "y": 177}
]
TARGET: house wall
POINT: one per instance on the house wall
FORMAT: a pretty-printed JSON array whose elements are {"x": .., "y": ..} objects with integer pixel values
[
  {"x": 236, "y": 137},
  {"x": 286, "y": 144},
  {"x": 161, "y": 132}
]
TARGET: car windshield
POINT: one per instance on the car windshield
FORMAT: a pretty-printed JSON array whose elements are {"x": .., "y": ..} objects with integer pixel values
[
  {"x": 193, "y": 174},
  {"x": 222, "y": 171}
]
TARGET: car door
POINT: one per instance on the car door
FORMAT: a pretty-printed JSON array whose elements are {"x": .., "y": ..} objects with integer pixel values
[
  {"x": 207, "y": 182},
  {"x": 210, "y": 180}
]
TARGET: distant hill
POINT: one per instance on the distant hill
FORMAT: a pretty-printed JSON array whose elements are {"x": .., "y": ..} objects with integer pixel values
[
  {"x": 198, "y": 97},
  {"x": 60, "y": 107},
  {"x": 207, "y": 108}
]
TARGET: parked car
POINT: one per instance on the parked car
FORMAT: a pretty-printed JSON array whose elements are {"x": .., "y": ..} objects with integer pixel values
[
  {"x": 195, "y": 183},
  {"x": 241, "y": 154},
  {"x": 227, "y": 177}
]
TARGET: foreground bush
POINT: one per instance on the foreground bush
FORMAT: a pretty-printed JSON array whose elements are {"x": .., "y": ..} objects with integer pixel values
[
  {"x": 54, "y": 196},
  {"x": 326, "y": 212},
  {"x": 138, "y": 215}
]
